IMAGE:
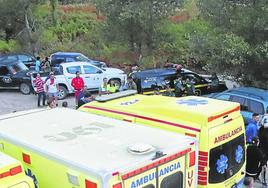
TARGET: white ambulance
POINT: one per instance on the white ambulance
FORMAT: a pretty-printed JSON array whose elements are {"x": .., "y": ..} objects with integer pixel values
[{"x": 64, "y": 148}]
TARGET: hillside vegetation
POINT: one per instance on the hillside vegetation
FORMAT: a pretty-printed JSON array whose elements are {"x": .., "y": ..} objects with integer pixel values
[{"x": 228, "y": 37}]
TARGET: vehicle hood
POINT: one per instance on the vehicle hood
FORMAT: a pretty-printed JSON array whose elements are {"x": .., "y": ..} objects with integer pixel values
[
  {"x": 22, "y": 74},
  {"x": 113, "y": 70}
]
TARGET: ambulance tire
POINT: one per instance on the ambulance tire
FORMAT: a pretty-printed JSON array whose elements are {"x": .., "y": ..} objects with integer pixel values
[
  {"x": 25, "y": 88},
  {"x": 198, "y": 92},
  {"x": 116, "y": 81},
  {"x": 62, "y": 92}
]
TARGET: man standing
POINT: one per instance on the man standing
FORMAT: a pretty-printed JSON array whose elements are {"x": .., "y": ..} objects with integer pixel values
[
  {"x": 52, "y": 87},
  {"x": 255, "y": 159},
  {"x": 252, "y": 128},
  {"x": 78, "y": 85},
  {"x": 37, "y": 64},
  {"x": 130, "y": 85},
  {"x": 39, "y": 85}
]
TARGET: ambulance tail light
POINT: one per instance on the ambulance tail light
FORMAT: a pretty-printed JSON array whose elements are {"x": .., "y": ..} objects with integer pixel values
[
  {"x": 202, "y": 168},
  {"x": 192, "y": 159},
  {"x": 26, "y": 158},
  {"x": 15, "y": 170},
  {"x": 115, "y": 173},
  {"x": 119, "y": 185},
  {"x": 12, "y": 172},
  {"x": 90, "y": 184}
]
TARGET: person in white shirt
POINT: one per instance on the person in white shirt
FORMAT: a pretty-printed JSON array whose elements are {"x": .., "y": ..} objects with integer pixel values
[{"x": 52, "y": 87}]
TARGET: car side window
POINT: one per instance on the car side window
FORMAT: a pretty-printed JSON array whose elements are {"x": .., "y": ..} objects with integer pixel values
[
  {"x": 195, "y": 78},
  {"x": 255, "y": 107},
  {"x": 90, "y": 69},
  {"x": 12, "y": 57},
  {"x": 242, "y": 101},
  {"x": 223, "y": 97},
  {"x": 70, "y": 59},
  {"x": 24, "y": 58},
  {"x": 4, "y": 71},
  {"x": 73, "y": 69}
]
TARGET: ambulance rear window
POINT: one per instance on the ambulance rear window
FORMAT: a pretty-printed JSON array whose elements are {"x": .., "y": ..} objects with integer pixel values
[
  {"x": 173, "y": 181},
  {"x": 226, "y": 160}
]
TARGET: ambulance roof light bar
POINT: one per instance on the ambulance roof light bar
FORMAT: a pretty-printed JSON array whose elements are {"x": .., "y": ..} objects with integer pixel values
[{"x": 104, "y": 98}]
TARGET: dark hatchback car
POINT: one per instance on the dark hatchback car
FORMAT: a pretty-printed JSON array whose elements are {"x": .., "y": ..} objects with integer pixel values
[
  {"x": 15, "y": 75},
  {"x": 66, "y": 57},
  {"x": 25, "y": 58},
  {"x": 148, "y": 80}
]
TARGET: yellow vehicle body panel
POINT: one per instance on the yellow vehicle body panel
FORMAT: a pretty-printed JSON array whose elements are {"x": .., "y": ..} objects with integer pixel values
[
  {"x": 213, "y": 122},
  {"x": 12, "y": 174}
]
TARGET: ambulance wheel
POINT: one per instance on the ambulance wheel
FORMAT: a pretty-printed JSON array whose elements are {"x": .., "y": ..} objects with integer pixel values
[
  {"x": 198, "y": 92},
  {"x": 25, "y": 89},
  {"x": 116, "y": 81},
  {"x": 62, "y": 94}
]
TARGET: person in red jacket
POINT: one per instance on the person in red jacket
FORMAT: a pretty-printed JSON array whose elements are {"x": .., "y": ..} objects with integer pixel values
[{"x": 78, "y": 85}]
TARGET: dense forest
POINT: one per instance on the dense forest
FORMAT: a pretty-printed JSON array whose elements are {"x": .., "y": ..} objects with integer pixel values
[{"x": 224, "y": 36}]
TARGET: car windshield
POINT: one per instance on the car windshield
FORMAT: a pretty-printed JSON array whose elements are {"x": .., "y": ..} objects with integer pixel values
[
  {"x": 18, "y": 67},
  {"x": 226, "y": 160},
  {"x": 81, "y": 58}
]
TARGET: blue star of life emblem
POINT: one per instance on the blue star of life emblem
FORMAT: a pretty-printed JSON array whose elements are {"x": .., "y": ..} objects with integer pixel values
[
  {"x": 192, "y": 102},
  {"x": 222, "y": 164},
  {"x": 239, "y": 152}
]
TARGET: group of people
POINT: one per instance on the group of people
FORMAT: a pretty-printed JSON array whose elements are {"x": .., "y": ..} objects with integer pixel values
[
  {"x": 181, "y": 87},
  {"x": 112, "y": 87},
  {"x": 46, "y": 90},
  {"x": 257, "y": 150},
  {"x": 42, "y": 65}
]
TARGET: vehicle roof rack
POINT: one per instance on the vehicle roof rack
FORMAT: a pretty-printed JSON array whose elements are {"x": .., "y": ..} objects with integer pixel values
[{"x": 104, "y": 98}]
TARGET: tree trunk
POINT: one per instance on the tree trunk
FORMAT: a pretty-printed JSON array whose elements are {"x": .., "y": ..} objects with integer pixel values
[
  {"x": 28, "y": 31},
  {"x": 53, "y": 4},
  {"x": 131, "y": 35},
  {"x": 150, "y": 34}
]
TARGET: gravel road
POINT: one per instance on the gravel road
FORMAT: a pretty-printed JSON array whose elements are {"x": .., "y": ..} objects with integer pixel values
[{"x": 13, "y": 100}]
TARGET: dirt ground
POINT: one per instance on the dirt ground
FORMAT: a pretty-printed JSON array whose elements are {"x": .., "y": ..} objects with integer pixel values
[{"x": 13, "y": 100}]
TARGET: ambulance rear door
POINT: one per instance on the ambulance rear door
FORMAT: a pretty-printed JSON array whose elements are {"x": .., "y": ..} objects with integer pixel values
[{"x": 165, "y": 172}]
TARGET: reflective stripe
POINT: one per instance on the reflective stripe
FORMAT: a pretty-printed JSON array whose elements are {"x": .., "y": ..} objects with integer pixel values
[{"x": 145, "y": 118}]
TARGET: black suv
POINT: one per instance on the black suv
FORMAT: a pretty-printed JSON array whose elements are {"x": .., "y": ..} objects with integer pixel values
[
  {"x": 66, "y": 57},
  {"x": 14, "y": 74},
  {"x": 25, "y": 58},
  {"x": 147, "y": 81}
]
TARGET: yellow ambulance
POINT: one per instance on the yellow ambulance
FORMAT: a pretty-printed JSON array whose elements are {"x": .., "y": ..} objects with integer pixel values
[
  {"x": 64, "y": 148},
  {"x": 218, "y": 125},
  {"x": 12, "y": 174}
]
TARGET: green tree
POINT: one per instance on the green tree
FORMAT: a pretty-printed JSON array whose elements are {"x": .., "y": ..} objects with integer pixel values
[
  {"x": 242, "y": 27},
  {"x": 135, "y": 21}
]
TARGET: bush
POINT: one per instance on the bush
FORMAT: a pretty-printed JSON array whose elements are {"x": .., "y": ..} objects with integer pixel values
[{"x": 10, "y": 46}]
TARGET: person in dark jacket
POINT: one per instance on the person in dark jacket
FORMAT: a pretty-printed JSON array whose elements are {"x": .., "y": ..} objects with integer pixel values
[
  {"x": 255, "y": 159},
  {"x": 252, "y": 128}
]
